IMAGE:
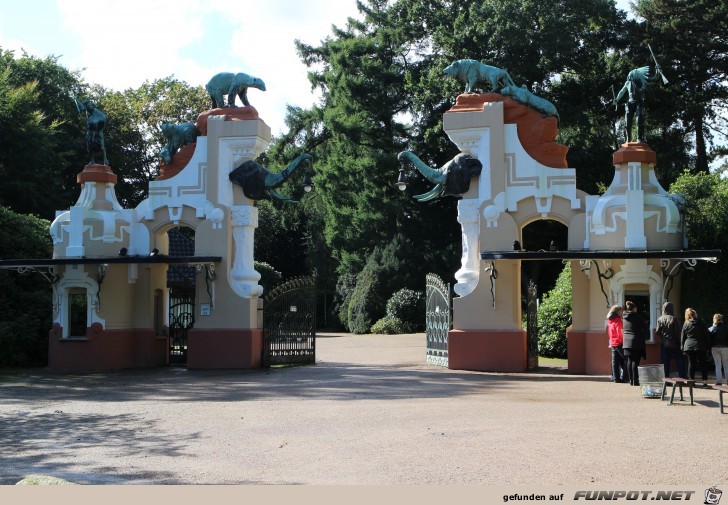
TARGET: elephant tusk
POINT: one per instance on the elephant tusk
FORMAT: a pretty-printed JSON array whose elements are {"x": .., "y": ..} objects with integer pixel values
[{"x": 435, "y": 192}]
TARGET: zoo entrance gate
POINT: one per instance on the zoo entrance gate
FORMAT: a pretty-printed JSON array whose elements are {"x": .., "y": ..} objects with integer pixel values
[{"x": 289, "y": 323}]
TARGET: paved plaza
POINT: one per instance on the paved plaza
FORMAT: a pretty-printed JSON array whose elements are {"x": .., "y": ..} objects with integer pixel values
[{"x": 369, "y": 412}]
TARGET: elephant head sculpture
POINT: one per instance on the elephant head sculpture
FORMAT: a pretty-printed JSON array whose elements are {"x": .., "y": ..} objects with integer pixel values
[
  {"x": 259, "y": 184},
  {"x": 452, "y": 179}
]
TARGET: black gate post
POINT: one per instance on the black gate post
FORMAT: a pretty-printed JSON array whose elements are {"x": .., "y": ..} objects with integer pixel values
[{"x": 532, "y": 325}]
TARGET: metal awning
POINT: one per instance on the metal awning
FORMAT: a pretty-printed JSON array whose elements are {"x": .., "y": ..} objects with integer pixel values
[
  {"x": 683, "y": 259},
  {"x": 712, "y": 255},
  {"x": 110, "y": 260}
]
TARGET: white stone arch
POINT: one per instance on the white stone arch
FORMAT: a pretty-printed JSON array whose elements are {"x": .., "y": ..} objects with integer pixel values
[
  {"x": 639, "y": 272},
  {"x": 161, "y": 228},
  {"x": 75, "y": 277},
  {"x": 529, "y": 211},
  {"x": 558, "y": 219}
]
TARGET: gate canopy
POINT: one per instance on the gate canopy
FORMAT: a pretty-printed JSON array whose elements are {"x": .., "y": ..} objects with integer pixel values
[
  {"x": 110, "y": 260},
  {"x": 712, "y": 255}
]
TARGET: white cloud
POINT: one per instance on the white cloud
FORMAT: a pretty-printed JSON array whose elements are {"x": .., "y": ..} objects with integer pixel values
[{"x": 127, "y": 42}]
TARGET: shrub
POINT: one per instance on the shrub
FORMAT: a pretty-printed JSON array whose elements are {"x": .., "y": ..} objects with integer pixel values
[
  {"x": 269, "y": 276},
  {"x": 366, "y": 304},
  {"x": 345, "y": 285},
  {"x": 384, "y": 272},
  {"x": 554, "y": 316},
  {"x": 389, "y": 325},
  {"x": 407, "y": 306}
]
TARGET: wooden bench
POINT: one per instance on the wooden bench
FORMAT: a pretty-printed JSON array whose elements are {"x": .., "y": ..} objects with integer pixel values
[
  {"x": 679, "y": 382},
  {"x": 721, "y": 390}
]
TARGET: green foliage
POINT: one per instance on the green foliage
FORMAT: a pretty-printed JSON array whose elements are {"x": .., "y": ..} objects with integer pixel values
[
  {"x": 345, "y": 285},
  {"x": 408, "y": 307},
  {"x": 366, "y": 304},
  {"x": 269, "y": 276},
  {"x": 42, "y": 134},
  {"x": 385, "y": 270},
  {"x": 35, "y": 140},
  {"x": 389, "y": 325},
  {"x": 133, "y": 136},
  {"x": 704, "y": 205},
  {"x": 554, "y": 316},
  {"x": 25, "y": 298},
  {"x": 279, "y": 238},
  {"x": 689, "y": 39}
]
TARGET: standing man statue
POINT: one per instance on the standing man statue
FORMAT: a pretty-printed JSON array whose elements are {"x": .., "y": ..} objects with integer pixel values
[
  {"x": 95, "y": 122},
  {"x": 635, "y": 87}
]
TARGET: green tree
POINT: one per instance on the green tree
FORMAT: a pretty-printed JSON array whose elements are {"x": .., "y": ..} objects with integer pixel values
[
  {"x": 565, "y": 51},
  {"x": 704, "y": 205},
  {"x": 25, "y": 298},
  {"x": 689, "y": 38},
  {"x": 41, "y": 134},
  {"x": 355, "y": 133},
  {"x": 554, "y": 316}
]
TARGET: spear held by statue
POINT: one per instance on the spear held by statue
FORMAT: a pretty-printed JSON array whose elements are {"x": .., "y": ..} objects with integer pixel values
[{"x": 657, "y": 66}]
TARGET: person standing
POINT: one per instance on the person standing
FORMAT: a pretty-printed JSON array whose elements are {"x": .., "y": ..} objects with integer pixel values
[
  {"x": 694, "y": 343},
  {"x": 719, "y": 348},
  {"x": 668, "y": 327},
  {"x": 635, "y": 330},
  {"x": 614, "y": 332}
]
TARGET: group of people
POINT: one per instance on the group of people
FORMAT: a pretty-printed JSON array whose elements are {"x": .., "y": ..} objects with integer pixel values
[{"x": 686, "y": 345}]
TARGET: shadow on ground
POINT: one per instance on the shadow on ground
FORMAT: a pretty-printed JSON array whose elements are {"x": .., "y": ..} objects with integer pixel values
[
  {"x": 330, "y": 380},
  {"x": 43, "y": 443}
]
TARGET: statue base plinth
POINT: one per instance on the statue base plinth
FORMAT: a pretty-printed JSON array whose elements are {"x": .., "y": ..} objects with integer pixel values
[
  {"x": 231, "y": 114},
  {"x": 635, "y": 152},
  {"x": 96, "y": 173}
]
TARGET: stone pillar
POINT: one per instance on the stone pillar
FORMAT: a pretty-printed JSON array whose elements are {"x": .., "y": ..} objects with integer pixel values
[
  {"x": 243, "y": 276},
  {"x": 231, "y": 336}
]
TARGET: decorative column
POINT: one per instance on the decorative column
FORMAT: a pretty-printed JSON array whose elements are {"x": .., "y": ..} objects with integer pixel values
[
  {"x": 469, "y": 273},
  {"x": 243, "y": 276}
]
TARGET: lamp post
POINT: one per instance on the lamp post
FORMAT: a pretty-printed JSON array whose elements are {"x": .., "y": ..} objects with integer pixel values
[{"x": 402, "y": 180}]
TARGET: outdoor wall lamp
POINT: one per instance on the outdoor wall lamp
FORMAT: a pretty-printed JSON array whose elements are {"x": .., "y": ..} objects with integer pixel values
[
  {"x": 101, "y": 272},
  {"x": 402, "y": 180},
  {"x": 307, "y": 182}
]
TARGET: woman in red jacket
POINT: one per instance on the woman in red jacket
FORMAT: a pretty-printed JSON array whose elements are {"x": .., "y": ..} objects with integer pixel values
[{"x": 614, "y": 332}]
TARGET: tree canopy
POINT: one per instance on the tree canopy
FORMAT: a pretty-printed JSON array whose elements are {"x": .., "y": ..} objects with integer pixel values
[{"x": 382, "y": 90}]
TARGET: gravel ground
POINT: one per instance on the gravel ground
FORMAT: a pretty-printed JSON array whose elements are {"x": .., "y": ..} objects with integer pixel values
[{"x": 369, "y": 412}]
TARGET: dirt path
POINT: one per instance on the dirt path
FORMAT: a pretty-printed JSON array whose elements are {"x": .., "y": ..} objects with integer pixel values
[{"x": 369, "y": 412}]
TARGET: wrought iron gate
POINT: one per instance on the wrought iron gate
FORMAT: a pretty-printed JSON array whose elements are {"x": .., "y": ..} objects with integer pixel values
[
  {"x": 181, "y": 319},
  {"x": 289, "y": 323},
  {"x": 437, "y": 322},
  {"x": 532, "y": 325}
]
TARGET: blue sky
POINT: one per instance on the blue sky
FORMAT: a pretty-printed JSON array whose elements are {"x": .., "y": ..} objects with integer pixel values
[{"x": 121, "y": 43}]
